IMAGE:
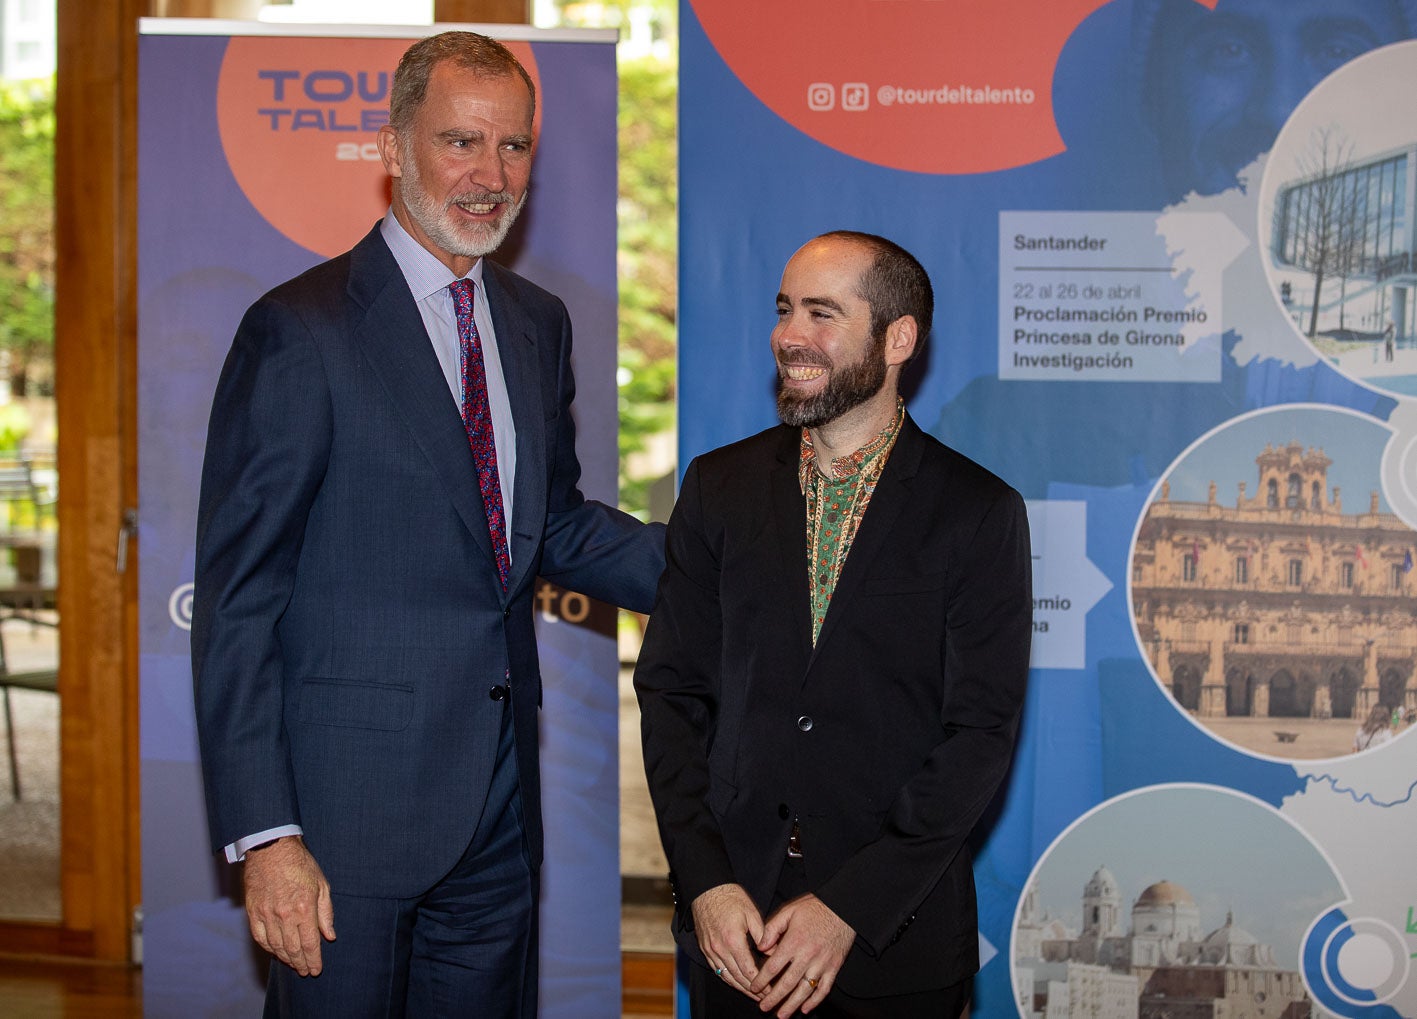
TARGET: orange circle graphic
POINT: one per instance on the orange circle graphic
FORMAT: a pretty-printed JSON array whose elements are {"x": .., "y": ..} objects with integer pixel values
[
  {"x": 298, "y": 118},
  {"x": 920, "y": 85}
]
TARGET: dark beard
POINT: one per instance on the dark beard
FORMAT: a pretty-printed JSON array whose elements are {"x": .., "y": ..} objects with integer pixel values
[{"x": 848, "y": 388}]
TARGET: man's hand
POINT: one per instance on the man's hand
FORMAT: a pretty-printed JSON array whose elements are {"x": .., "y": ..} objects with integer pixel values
[
  {"x": 728, "y": 924},
  {"x": 806, "y": 944},
  {"x": 288, "y": 903}
]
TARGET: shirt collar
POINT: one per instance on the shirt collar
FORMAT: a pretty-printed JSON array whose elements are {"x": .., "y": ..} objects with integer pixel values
[
  {"x": 421, "y": 269},
  {"x": 848, "y": 467}
]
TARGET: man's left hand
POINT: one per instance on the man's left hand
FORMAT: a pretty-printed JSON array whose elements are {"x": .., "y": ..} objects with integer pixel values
[{"x": 805, "y": 944}]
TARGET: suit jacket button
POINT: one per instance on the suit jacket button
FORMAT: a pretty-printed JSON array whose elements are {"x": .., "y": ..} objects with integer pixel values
[
  {"x": 805, "y": 723},
  {"x": 783, "y": 812},
  {"x": 498, "y": 693},
  {"x": 507, "y": 612}
]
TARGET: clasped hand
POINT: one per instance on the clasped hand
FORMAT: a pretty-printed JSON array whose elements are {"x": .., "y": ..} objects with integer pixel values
[{"x": 787, "y": 963}]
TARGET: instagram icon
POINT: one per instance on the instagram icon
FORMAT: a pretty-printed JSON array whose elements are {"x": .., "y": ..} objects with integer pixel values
[{"x": 821, "y": 95}]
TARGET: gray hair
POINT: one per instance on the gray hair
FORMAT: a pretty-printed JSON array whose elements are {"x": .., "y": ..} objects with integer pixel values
[{"x": 467, "y": 50}]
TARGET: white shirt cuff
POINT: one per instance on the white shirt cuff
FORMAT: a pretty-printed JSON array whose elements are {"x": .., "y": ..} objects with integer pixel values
[{"x": 236, "y": 852}]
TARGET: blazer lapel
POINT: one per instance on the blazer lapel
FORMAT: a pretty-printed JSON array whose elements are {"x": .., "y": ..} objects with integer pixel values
[
  {"x": 516, "y": 346},
  {"x": 390, "y": 333},
  {"x": 790, "y": 519},
  {"x": 891, "y": 496}
]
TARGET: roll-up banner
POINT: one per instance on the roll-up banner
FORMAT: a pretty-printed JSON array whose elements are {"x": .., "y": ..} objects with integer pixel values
[
  {"x": 256, "y": 161},
  {"x": 1172, "y": 245}
]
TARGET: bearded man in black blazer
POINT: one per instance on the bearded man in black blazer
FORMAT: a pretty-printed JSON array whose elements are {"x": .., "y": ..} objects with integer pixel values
[
  {"x": 832, "y": 675},
  {"x": 390, "y": 465}
]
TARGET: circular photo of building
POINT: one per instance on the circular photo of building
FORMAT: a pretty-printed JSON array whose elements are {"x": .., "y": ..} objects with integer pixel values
[
  {"x": 1272, "y": 586},
  {"x": 1190, "y": 896},
  {"x": 1338, "y": 222}
]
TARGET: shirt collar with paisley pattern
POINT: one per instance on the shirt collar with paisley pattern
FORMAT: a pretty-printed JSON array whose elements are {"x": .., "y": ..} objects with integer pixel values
[{"x": 843, "y": 468}]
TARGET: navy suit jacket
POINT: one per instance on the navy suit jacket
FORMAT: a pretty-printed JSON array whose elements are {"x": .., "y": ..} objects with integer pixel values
[
  {"x": 349, "y": 623},
  {"x": 886, "y": 740}
]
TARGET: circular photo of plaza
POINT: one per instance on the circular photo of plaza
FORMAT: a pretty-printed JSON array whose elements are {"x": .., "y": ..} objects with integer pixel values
[
  {"x": 1338, "y": 224},
  {"x": 1272, "y": 586}
]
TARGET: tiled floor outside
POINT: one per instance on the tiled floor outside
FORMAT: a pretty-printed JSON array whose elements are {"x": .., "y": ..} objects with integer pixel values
[{"x": 646, "y": 910}]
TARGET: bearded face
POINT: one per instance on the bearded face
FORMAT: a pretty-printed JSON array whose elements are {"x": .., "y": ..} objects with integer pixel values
[
  {"x": 462, "y": 165},
  {"x": 445, "y": 222},
  {"x": 847, "y": 386}
]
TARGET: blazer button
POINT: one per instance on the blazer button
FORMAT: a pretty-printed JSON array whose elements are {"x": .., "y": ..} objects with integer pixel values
[
  {"x": 805, "y": 723},
  {"x": 507, "y": 612},
  {"x": 498, "y": 693},
  {"x": 783, "y": 812}
]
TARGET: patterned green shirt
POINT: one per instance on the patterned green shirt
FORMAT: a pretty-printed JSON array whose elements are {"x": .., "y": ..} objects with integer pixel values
[{"x": 835, "y": 506}]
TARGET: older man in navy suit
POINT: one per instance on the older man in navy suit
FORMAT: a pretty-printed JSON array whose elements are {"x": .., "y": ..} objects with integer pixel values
[{"x": 390, "y": 465}]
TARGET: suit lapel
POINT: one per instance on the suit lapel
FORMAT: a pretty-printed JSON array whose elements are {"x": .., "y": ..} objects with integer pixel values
[
  {"x": 390, "y": 333},
  {"x": 891, "y": 496},
  {"x": 516, "y": 346},
  {"x": 790, "y": 520}
]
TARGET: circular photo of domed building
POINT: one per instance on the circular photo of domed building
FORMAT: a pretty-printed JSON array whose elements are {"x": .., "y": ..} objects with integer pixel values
[
  {"x": 1170, "y": 896},
  {"x": 1272, "y": 586}
]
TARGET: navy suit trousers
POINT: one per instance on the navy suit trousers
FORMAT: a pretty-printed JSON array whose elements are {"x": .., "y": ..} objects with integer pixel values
[{"x": 465, "y": 947}]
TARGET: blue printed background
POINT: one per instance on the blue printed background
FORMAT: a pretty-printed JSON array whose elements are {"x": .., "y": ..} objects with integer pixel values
[
  {"x": 1105, "y": 729},
  {"x": 204, "y": 255}
]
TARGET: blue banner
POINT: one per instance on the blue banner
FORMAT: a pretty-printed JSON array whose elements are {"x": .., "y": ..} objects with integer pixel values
[
  {"x": 256, "y": 161},
  {"x": 1172, "y": 249}
]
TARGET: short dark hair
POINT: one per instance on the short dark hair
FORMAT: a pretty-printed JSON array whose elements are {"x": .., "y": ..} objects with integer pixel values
[
  {"x": 895, "y": 284},
  {"x": 467, "y": 50}
]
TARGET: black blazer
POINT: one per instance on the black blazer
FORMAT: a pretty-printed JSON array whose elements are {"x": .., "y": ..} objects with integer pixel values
[
  {"x": 349, "y": 623},
  {"x": 886, "y": 741}
]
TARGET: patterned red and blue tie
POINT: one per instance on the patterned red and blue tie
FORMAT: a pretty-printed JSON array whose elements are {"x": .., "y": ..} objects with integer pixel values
[{"x": 477, "y": 420}]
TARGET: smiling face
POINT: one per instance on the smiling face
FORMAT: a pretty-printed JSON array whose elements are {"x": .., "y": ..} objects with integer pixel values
[
  {"x": 828, "y": 363},
  {"x": 462, "y": 167},
  {"x": 1223, "y": 81}
]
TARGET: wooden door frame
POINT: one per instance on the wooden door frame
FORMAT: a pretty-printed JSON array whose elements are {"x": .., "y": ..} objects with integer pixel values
[
  {"x": 94, "y": 339},
  {"x": 95, "y": 348}
]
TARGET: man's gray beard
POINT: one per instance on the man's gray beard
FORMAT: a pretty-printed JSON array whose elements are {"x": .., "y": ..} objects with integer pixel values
[
  {"x": 431, "y": 216},
  {"x": 847, "y": 389}
]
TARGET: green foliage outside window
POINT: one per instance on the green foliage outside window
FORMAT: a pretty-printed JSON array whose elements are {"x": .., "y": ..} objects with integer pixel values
[
  {"x": 648, "y": 227},
  {"x": 646, "y": 264},
  {"x": 27, "y": 234}
]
